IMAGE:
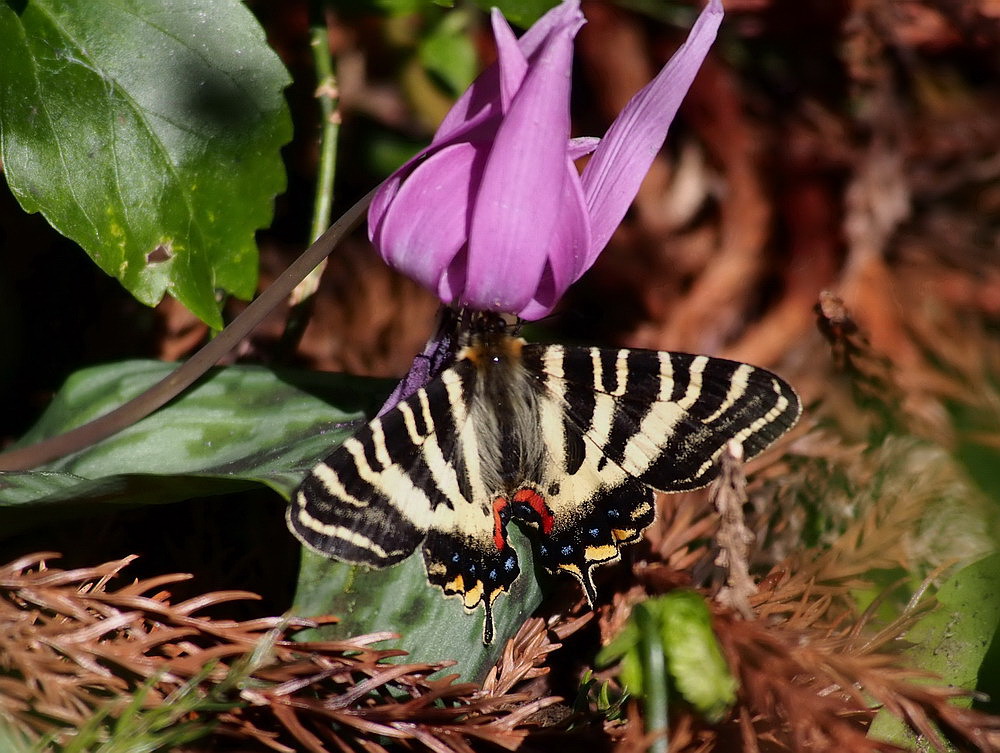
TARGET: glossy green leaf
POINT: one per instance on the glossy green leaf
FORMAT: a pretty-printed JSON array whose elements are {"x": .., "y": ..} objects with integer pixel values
[
  {"x": 953, "y": 639},
  {"x": 148, "y": 131}
]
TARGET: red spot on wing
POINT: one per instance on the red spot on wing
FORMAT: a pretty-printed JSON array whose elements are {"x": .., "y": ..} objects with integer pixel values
[
  {"x": 537, "y": 503},
  {"x": 499, "y": 525}
]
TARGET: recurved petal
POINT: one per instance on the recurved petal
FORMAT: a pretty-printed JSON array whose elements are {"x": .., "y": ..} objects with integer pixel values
[
  {"x": 581, "y": 146},
  {"x": 612, "y": 177},
  {"x": 383, "y": 198},
  {"x": 516, "y": 213},
  {"x": 426, "y": 224}
]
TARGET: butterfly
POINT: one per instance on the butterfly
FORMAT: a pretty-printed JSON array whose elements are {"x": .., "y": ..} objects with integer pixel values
[{"x": 571, "y": 441}]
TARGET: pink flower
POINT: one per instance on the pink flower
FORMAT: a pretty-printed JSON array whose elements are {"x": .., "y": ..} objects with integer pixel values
[{"x": 494, "y": 215}]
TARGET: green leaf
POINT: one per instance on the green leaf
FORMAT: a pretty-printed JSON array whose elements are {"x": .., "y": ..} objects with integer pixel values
[
  {"x": 620, "y": 646},
  {"x": 148, "y": 132},
  {"x": 449, "y": 54},
  {"x": 239, "y": 426},
  {"x": 681, "y": 624},
  {"x": 242, "y": 426},
  {"x": 523, "y": 13},
  {"x": 693, "y": 654},
  {"x": 400, "y": 599},
  {"x": 952, "y": 640}
]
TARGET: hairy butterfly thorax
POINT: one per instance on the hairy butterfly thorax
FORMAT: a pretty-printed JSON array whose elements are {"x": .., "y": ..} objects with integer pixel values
[{"x": 569, "y": 441}]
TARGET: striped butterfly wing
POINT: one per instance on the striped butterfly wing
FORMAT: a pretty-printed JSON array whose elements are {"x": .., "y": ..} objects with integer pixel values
[
  {"x": 621, "y": 423},
  {"x": 569, "y": 440},
  {"x": 412, "y": 477}
]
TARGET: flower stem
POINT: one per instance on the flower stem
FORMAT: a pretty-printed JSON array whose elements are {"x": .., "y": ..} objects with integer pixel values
[
  {"x": 195, "y": 367},
  {"x": 328, "y": 97}
]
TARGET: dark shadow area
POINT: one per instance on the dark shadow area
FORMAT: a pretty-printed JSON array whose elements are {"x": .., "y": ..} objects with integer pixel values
[{"x": 233, "y": 542}]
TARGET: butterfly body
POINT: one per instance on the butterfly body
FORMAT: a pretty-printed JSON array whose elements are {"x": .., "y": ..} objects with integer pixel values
[{"x": 570, "y": 441}]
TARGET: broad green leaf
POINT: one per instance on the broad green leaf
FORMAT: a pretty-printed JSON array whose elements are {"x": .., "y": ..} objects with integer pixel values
[
  {"x": 240, "y": 425},
  {"x": 432, "y": 628},
  {"x": 952, "y": 640},
  {"x": 148, "y": 131}
]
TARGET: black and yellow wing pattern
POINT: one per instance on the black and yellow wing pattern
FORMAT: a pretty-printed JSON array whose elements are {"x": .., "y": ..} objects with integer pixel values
[{"x": 570, "y": 441}]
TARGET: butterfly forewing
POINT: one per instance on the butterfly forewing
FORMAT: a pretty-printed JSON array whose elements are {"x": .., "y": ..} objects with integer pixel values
[
  {"x": 664, "y": 418},
  {"x": 570, "y": 441},
  {"x": 372, "y": 500},
  {"x": 619, "y": 423}
]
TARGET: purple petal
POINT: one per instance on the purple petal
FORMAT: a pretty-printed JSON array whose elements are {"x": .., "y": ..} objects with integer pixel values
[
  {"x": 565, "y": 14},
  {"x": 522, "y": 188},
  {"x": 482, "y": 100},
  {"x": 581, "y": 146},
  {"x": 426, "y": 225},
  {"x": 567, "y": 251},
  {"x": 544, "y": 300},
  {"x": 475, "y": 115},
  {"x": 451, "y": 284},
  {"x": 481, "y": 131},
  {"x": 479, "y": 102},
  {"x": 383, "y": 198},
  {"x": 511, "y": 60},
  {"x": 612, "y": 177}
]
